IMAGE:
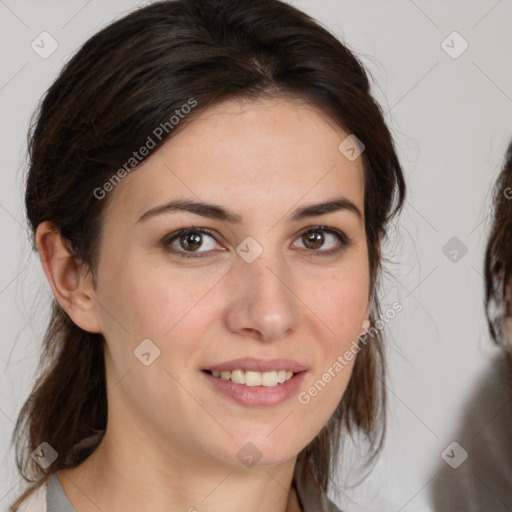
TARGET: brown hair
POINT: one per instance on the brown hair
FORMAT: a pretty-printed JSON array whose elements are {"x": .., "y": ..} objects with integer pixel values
[
  {"x": 498, "y": 257},
  {"x": 126, "y": 80}
]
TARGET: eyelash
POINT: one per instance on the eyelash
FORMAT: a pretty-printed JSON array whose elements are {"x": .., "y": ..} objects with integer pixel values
[{"x": 344, "y": 240}]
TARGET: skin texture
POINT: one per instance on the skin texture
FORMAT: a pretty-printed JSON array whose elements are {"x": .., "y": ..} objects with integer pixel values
[{"x": 172, "y": 440}]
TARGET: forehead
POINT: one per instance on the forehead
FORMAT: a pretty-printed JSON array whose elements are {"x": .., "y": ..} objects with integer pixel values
[{"x": 250, "y": 154}]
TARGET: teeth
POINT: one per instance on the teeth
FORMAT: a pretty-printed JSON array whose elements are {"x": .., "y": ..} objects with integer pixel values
[
  {"x": 250, "y": 378},
  {"x": 238, "y": 376}
]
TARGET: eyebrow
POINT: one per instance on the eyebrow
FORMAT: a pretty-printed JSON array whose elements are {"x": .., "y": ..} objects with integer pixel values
[{"x": 217, "y": 212}]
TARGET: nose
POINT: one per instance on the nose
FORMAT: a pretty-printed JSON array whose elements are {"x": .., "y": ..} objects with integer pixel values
[{"x": 263, "y": 303}]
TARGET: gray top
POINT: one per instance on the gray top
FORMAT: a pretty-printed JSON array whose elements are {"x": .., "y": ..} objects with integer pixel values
[
  {"x": 56, "y": 499},
  {"x": 483, "y": 481},
  {"x": 310, "y": 496}
]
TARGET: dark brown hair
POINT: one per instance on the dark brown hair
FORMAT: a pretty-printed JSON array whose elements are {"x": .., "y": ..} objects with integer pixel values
[
  {"x": 128, "y": 79},
  {"x": 498, "y": 257}
]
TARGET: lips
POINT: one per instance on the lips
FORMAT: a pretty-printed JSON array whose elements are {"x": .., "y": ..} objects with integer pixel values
[
  {"x": 262, "y": 395},
  {"x": 269, "y": 391}
]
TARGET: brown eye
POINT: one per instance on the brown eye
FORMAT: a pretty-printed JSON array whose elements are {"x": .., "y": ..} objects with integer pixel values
[
  {"x": 313, "y": 239},
  {"x": 187, "y": 242},
  {"x": 322, "y": 241},
  {"x": 190, "y": 241}
]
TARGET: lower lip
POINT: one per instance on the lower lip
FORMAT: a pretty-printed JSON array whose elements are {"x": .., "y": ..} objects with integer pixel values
[{"x": 257, "y": 396}]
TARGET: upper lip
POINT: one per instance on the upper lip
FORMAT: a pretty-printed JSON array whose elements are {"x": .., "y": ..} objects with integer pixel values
[{"x": 258, "y": 365}]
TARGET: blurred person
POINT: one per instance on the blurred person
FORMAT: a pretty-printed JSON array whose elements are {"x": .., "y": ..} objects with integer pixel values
[{"x": 483, "y": 481}]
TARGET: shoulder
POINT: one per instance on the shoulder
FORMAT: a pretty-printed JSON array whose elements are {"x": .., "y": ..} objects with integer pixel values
[{"x": 34, "y": 502}]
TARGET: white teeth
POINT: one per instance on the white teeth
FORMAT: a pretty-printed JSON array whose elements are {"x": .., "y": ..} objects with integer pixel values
[
  {"x": 238, "y": 376},
  {"x": 251, "y": 378},
  {"x": 269, "y": 379}
]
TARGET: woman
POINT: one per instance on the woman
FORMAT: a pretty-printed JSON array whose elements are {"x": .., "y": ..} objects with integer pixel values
[{"x": 209, "y": 185}]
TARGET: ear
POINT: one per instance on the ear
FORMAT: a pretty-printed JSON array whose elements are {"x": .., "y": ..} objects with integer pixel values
[{"x": 71, "y": 286}]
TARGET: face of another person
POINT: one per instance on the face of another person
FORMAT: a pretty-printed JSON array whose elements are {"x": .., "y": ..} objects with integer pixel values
[{"x": 283, "y": 295}]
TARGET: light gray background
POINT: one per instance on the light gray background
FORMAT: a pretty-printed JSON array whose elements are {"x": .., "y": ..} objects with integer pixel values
[{"x": 451, "y": 119}]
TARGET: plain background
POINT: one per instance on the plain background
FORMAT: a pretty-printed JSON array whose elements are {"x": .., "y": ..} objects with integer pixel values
[{"x": 451, "y": 118}]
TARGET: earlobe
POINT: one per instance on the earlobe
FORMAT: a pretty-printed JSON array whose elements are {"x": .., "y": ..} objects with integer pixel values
[
  {"x": 71, "y": 288},
  {"x": 366, "y": 322},
  {"x": 365, "y": 326}
]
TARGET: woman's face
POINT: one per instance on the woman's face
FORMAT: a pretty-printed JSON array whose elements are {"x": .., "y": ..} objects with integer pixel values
[{"x": 253, "y": 288}]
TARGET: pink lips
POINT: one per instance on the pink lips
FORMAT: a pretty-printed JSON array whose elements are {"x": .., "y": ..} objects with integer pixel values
[{"x": 257, "y": 396}]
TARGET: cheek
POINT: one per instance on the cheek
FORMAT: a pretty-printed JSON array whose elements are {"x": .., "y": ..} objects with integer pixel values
[
  {"x": 146, "y": 300},
  {"x": 171, "y": 311},
  {"x": 342, "y": 300},
  {"x": 341, "y": 305},
  {"x": 172, "y": 308}
]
